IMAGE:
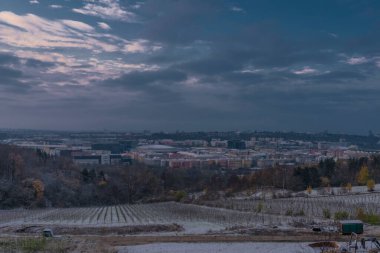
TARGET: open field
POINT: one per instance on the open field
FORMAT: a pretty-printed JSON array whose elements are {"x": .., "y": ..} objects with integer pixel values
[
  {"x": 215, "y": 214},
  {"x": 193, "y": 218},
  {"x": 308, "y": 207},
  {"x": 231, "y": 225}
]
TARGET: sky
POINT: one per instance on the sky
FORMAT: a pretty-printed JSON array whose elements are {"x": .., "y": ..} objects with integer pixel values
[{"x": 191, "y": 65}]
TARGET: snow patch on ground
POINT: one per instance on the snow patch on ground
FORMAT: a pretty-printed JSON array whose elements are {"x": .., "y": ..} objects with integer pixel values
[
  {"x": 200, "y": 227},
  {"x": 218, "y": 248}
]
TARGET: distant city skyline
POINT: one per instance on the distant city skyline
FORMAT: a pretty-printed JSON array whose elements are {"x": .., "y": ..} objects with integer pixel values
[
  {"x": 135, "y": 131},
  {"x": 190, "y": 65}
]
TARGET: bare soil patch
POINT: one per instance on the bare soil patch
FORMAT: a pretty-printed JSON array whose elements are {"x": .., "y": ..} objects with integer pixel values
[{"x": 85, "y": 230}]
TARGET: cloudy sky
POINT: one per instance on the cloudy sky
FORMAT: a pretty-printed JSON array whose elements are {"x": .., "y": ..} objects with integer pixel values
[{"x": 296, "y": 65}]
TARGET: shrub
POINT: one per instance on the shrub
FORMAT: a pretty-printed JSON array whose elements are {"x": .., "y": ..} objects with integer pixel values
[
  {"x": 372, "y": 219},
  {"x": 300, "y": 213},
  {"x": 289, "y": 212},
  {"x": 33, "y": 244},
  {"x": 326, "y": 213},
  {"x": 341, "y": 215},
  {"x": 179, "y": 195}
]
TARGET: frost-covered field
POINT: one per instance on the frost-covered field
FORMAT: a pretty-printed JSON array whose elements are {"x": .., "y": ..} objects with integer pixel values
[
  {"x": 193, "y": 217},
  {"x": 219, "y": 248},
  {"x": 355, "y": 189},
  {"x": 216, "y": 216},
  {"x": 306, "y": 206}
]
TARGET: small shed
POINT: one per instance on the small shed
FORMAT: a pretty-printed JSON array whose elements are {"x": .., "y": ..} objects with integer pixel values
[{"x": 351, "y": 226}]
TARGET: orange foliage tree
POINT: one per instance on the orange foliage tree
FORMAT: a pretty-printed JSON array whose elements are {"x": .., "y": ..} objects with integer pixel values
[{"x": 39, "y": 188}]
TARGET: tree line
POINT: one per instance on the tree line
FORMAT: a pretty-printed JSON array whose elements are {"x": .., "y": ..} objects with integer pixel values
[{"x": 31, "y": 179}]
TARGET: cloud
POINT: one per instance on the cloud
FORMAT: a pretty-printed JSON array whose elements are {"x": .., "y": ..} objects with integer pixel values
[
  {"x": 31, "y": 31},
  {"x": 36, "y": 41},
  {"x": 236, "y": 9},
  {"x": 140, "y": 46},
  {"x": 334, "y": 35},
  {"x": 104, "y": 26},
  {"x": 305, "y": 71},
  {"x": 79, "y": 72},
  {"x": 250, "y": 69},
  {"x": 34, "y": 2},
  {"x": 78, "y": 25},
  {"x": 55, "y": 6},
  {"x": 59, "y": 69},
  {"x": 137, "y": 5},
  {"x": 106, "y": 9},
  {"x": 357, "y": 60},
  {"x": 134, "y": 47}
]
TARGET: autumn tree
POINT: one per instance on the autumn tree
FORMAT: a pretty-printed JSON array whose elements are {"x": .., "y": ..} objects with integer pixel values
[
  {"x": 349, "y": 187},
  {"x": 363, "y": 175},
  {"x": 309, "y": 189},
  {"x": 39, "y": 188},
  {"x": 371, "y": 185}
]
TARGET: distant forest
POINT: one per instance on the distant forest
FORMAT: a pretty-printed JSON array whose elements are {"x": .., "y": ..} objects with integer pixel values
[{"x": 32, "y": 179}]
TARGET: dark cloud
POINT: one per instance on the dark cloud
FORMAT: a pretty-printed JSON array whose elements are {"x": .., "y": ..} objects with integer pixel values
[
  {"x": 12, "y": 73},
  {"x": 141, "y": 80},
  {"x": 160, "y": 86},
  {"x": 274, "y": 65},
  {"x": 8, "y": 59},
  {"x": 210, "y": 66},
  {"x": 9, "y": 79},
  {"x": 338, "y": 77},
  {"x": 9, "y": 74},
  {"x": 178, "y": 22},
  {"x": 33, "y": 63}
]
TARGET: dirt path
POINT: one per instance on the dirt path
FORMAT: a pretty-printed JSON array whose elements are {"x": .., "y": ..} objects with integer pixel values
[
  {"x": 138, "y": 240},
  {"x": 110, "y": 243}
]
